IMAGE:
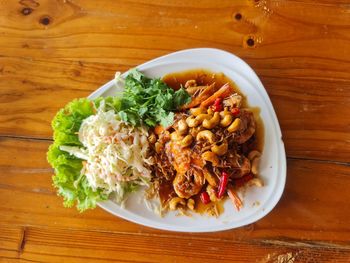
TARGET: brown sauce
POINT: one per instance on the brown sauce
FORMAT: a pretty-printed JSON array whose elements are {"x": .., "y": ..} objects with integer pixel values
[
  {"x": 205, "y": 77},
  {"x": 259, "y": 130},
  {"x": 202, "y": 77},
  {"x": 209, "y": 208},
  {"x": 166, "y": 191}
]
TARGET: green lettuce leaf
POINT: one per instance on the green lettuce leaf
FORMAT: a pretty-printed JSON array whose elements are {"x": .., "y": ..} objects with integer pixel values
[{"x": 67, "y": 179}]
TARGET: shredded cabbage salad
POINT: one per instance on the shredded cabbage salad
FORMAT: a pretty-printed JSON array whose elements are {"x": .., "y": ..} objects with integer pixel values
[{"x": 115, "y": 153}]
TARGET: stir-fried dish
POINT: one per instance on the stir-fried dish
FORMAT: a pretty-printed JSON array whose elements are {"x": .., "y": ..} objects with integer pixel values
[
  {"x": 190, "y": 139},
  {"x": 210, "y": 150}
]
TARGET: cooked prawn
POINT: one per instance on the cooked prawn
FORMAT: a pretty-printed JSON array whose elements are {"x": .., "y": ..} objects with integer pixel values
[
  {"x": 247, "y": 127},
  {"x": 189, "y": 184}
]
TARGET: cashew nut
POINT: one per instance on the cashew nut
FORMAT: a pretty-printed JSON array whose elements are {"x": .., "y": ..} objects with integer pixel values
[
  {"x": 220, "y": 149},
  {"x": 202, "y": 117},
  {"x": 212, "y": 193},
  {"x": 197, "y": 111},
  {"x": 174, "y": 202},
  {"x": 256, "y": 181},
  {"x": 234, "y": 125},
  {"x": 211, "y": 123},
  {"x": 210, "y": 111},
  {"x": 224, "y": 112},
  {"x": 210, "y": 157},
  {"x": 186, "y": 141},
  {"x": 175, "y": 136},
  {"x": 255, "y": 165},
  {"x": 192, "y": 122},
  {"x": 158, "y": 147},
  {"x": 209, "y": 177},
  {"x": 152, "y": 138},
  {"x": 195, "y": 131},
  {"x": 206, "y": 134},
  {"x": 190, "y": 204},
  {"x": 182, "y": 127},
  {"x": 254, "y": 154},
  {"x": 226, "y": 120}
]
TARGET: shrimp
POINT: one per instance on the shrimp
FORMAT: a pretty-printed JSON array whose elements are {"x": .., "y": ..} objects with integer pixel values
[
  {"x": 189, "y": 178},
  {"x": 238, "y": 165},
  {"x": 247, "y": 127},
  {"x": 189, "y": 184}
]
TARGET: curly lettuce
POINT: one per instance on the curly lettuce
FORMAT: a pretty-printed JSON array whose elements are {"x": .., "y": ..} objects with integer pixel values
[{"x": 70, "y": 184}]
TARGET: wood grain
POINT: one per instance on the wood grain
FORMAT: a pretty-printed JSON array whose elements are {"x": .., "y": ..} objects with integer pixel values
[
  {"x": 84, "y": 43},
  {"x": 57, "y": 245},
  {"x": 309, "y": 197},
  {"x": 54, "y": 51}
]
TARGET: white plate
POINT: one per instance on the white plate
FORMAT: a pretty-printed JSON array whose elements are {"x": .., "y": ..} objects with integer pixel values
[{"x": 273, "y": 162}]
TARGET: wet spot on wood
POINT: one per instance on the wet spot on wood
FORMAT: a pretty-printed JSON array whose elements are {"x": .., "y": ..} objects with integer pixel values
[{"x": 27, "y": 11}]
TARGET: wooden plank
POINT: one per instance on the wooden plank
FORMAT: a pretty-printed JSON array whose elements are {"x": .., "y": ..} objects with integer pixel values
[
  {"x": 86, "y": 42},
  {"x": 20, "y": 91},
  {"x": 57, "y": 245},
  {"x": 311, "y": 208},
  {"x": 101, "y": 27},
  {"x": 11, "y": 237},
  {"x": 10, "y": 241},
  {"x": 314, "y": 124}
]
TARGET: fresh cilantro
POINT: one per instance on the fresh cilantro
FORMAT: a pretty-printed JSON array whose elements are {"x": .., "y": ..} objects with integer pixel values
[{"x": 150, "y": 101}]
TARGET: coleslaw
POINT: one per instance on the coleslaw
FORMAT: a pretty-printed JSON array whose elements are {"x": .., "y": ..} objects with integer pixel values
[{"x": 115, "y": 153}]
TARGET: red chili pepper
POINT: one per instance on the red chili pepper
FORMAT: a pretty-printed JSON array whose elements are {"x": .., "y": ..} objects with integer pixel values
[
  {"x": 222, "y": 184},
  {"x": 243, "y": 180},
  {"x": 235, "y": 111},
  {"x": 217, "y": 106},
  {"x": 205, "y": 198}
]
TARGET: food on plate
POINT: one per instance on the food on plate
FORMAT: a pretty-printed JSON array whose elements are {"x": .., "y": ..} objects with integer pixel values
[
  {"x": 100, "y": 149},
  {"x": 211, "y": 149},
  {"x": 189, "y": 140}
]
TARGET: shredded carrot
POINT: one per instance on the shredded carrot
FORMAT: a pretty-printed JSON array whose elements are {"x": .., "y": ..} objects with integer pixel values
[
  {"x": 205, "y": 94},
  {"x": 225, "y": 91},
  {"x": 158, "y": 129},
  {"x": 234, "y": 198}
]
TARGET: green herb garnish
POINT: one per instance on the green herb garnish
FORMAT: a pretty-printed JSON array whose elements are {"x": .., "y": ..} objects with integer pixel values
[{"x": 150, "y": 101}]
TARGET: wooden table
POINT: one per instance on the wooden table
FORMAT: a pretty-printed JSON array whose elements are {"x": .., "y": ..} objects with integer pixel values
[{"x": 52, "y": 51}]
